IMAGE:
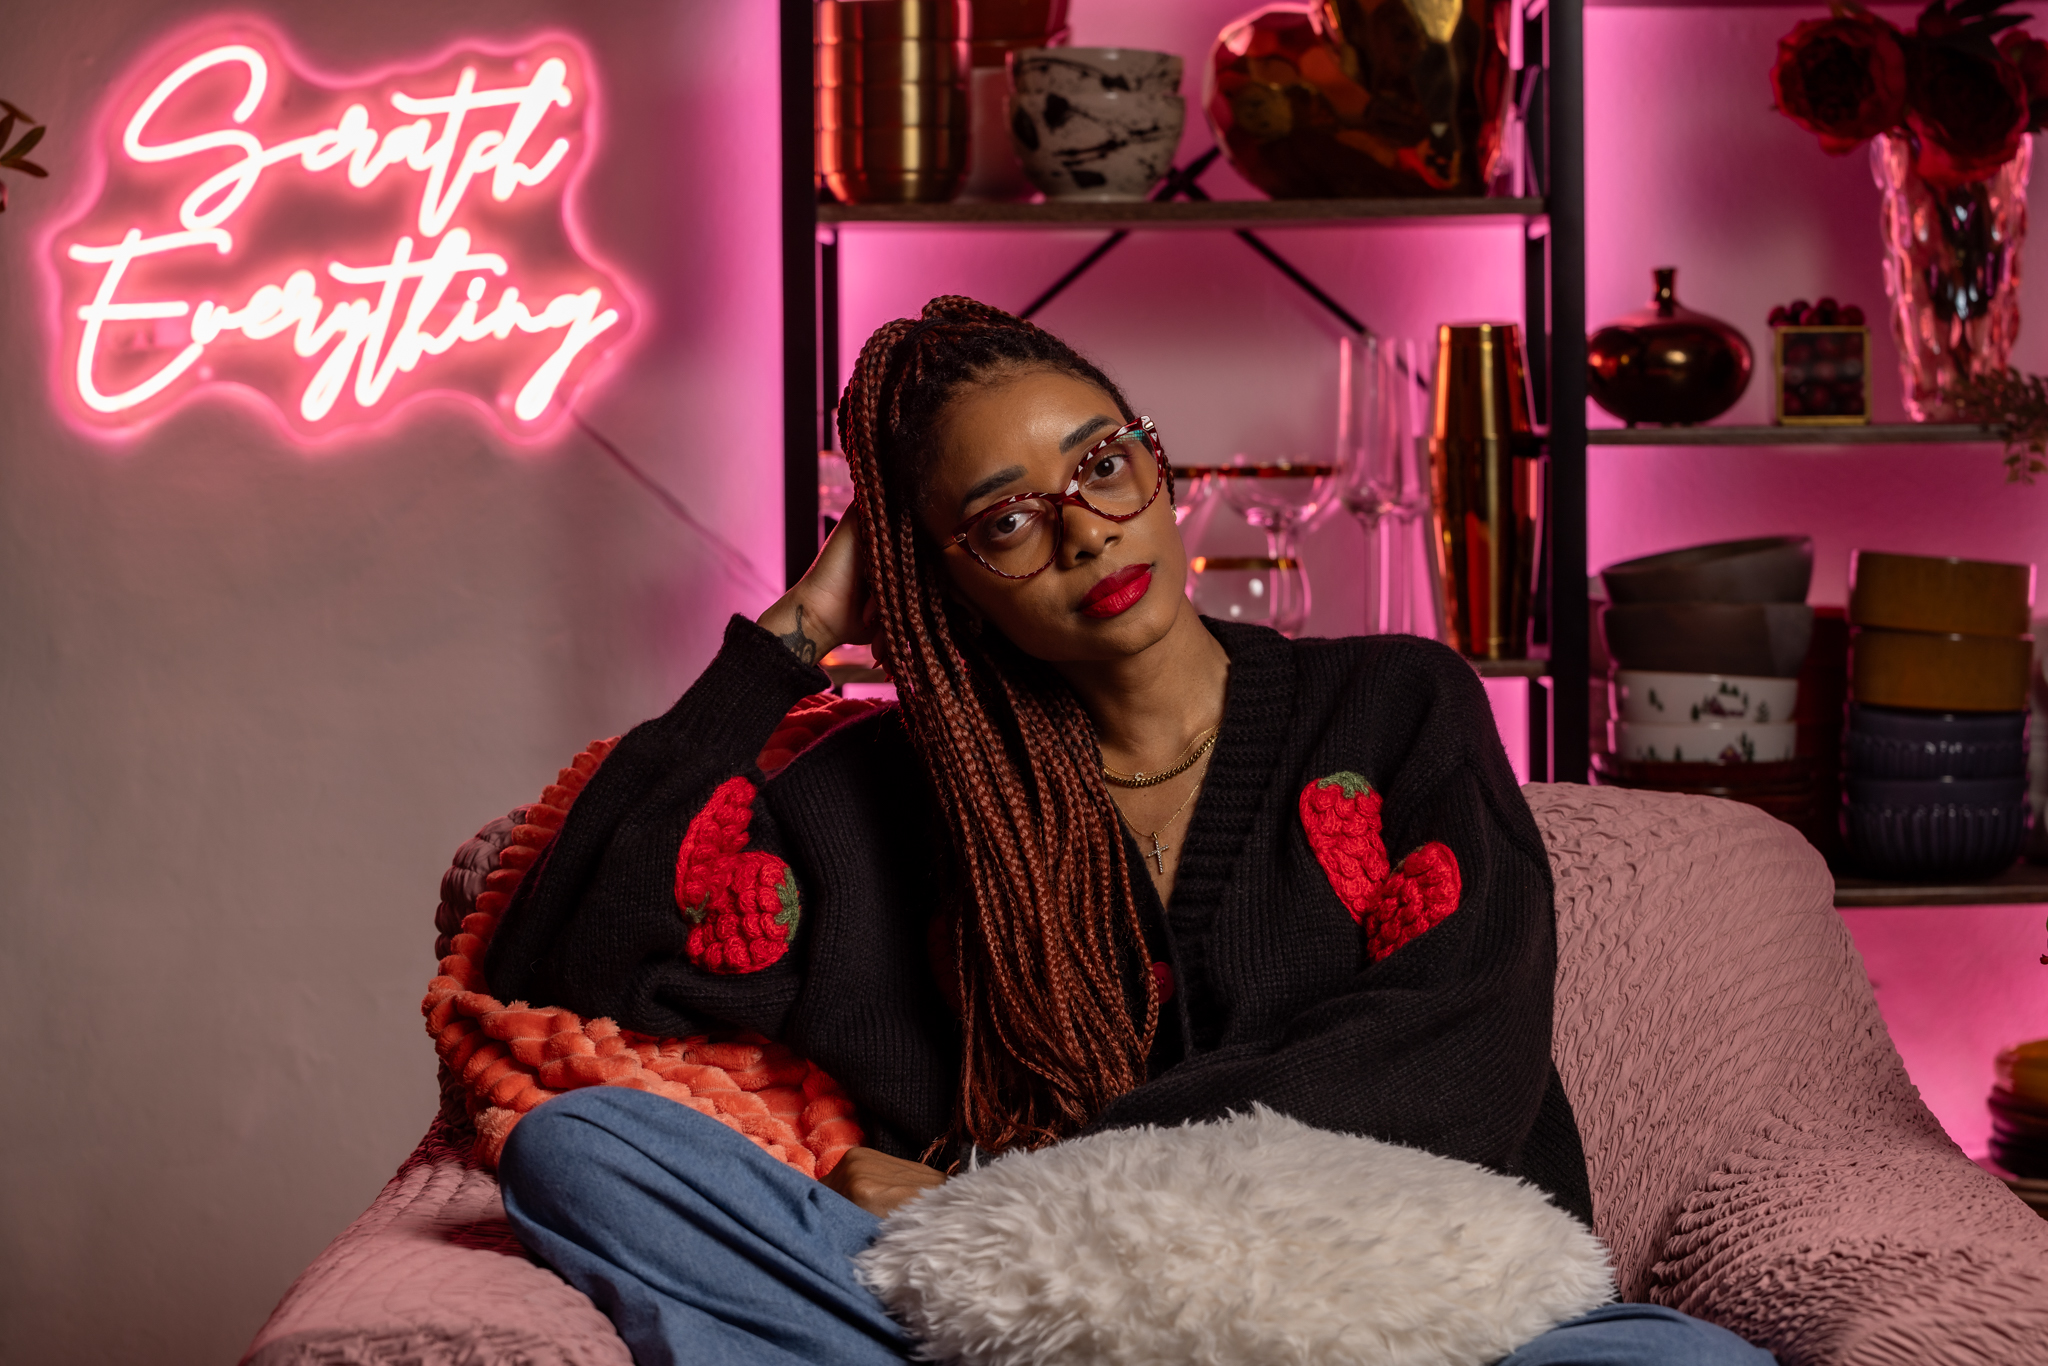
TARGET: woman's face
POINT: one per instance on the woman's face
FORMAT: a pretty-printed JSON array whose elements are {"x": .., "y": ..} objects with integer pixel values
[{"x": 1113, "y": 588}]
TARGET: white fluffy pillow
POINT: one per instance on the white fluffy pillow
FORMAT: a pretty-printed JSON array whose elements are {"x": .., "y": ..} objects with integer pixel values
[{"x": 1255, "y": 1241}]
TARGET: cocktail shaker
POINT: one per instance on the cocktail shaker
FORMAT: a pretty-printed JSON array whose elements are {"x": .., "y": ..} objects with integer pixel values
[{"x": 1486, "y": 475}]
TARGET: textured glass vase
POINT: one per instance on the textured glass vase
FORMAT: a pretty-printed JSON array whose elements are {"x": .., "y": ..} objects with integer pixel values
[{"x": 1952, "y": 269}]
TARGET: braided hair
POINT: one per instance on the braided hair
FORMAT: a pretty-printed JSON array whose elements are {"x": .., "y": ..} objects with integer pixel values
[{"x": 1057, "y": 1014}]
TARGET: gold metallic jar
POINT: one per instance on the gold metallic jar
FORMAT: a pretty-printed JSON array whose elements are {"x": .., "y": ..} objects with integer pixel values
[
  {"x": 890, "y": 86},
  {"x": 1486, "y": 475}
]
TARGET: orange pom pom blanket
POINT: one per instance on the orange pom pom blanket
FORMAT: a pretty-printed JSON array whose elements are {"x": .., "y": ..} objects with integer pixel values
[{"x": 503, "y": 1058}]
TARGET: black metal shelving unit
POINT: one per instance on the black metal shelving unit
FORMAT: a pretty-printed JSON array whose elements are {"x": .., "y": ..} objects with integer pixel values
[{"x": 1554, "y": 320}]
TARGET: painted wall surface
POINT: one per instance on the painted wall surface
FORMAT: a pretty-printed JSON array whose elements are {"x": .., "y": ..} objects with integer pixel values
[{"x": 251, "y": 700}]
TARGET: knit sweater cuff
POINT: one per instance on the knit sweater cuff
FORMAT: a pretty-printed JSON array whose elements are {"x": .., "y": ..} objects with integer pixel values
[{"x": 749, "y": 687}]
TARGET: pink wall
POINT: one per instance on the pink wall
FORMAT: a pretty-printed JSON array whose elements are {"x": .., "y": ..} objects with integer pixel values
[{"x": 251, "y": 701}]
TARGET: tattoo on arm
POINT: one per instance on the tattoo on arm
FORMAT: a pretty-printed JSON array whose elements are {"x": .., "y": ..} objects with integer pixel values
[{"x": 799, "y": 644}]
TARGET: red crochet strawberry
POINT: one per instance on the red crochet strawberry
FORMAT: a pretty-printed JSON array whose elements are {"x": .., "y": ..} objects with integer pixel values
[
  {"x": 742, "y": 907},
  {"x": 1341, "y": 816}
]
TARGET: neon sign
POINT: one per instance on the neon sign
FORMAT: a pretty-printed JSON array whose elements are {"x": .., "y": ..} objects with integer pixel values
[{"x": 336, "y": 247}]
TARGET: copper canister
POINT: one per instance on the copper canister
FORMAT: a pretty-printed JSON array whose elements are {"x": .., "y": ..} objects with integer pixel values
[
  {"x": 1486, "y": 475},
  {"x": 890, "y": 80}
]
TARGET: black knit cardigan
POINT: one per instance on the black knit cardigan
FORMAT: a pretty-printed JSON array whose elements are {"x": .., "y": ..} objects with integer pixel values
[{"x": 1442, "y": 1045}]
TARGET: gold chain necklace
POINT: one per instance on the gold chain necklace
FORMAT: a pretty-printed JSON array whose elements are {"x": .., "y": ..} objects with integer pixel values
[
  {"x": 1187, "y": 761},
  {"x": 1158, "y": 852}
]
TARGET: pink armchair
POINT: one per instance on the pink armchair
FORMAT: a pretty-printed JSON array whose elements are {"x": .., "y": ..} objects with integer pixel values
[{"x": 1758, "y": 1157}]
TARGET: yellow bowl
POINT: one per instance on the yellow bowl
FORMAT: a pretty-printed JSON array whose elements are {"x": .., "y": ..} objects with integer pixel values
[
  {"x": 2023, "y": 1070},
  {"x": 1930, "y": 593},
  {"x": 1940, "y": 671}
]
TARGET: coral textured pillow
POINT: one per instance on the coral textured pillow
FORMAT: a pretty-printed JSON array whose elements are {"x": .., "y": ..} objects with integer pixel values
[{"x": 1253, "y": 1241}]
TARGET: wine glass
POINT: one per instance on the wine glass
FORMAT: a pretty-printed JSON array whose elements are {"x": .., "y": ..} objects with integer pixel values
[
  {"x": 1384, "y": 479},
  {"x": 1236, "y": 577},
  {"x": 1281, "y": 498}
]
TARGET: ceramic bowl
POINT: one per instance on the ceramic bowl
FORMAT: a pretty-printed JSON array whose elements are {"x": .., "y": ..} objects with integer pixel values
[
  {"x": 1936, "y": 828},
  {"x": 1940, "y": 672},
  {"x": 1928, "y": 593},
  {"x": 1681, "y": 699},
  {"x": 1073, "y": 72},
  {"x": 1885, "y": 743},
  {"x": 1766, "y": 569},
  {"x": 1715, "y": 743},
  {"x": 1748, "y": 639},
  {"x": 1114, "y": 148}
]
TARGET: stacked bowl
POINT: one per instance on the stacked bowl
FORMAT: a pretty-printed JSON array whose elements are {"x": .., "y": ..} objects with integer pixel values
[
  {"x": 890, "y": 92},
  {"x": 1708, "y": 643},
  {"x": 1937, "y": 739},
  {"x": 2019, "y": 1120}
]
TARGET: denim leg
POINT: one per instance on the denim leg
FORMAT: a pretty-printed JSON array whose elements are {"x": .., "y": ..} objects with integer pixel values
[
  {"x": 702, "y": 1249},
  {"x": 1638, "y": 1335}
]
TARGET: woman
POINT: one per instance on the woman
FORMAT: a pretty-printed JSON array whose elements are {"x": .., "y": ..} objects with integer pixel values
[{"x": 1107, "y": 864}]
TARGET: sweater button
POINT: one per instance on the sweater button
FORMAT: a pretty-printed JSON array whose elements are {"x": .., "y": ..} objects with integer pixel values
[{"x": 1163, "y": 975}]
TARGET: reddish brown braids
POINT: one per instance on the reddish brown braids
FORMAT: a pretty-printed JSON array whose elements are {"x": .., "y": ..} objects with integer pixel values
[{"x": 1049, "y": 947}]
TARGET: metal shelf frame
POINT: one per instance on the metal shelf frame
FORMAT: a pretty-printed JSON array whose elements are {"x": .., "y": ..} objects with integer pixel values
[{"x": 1554, "y": 279}]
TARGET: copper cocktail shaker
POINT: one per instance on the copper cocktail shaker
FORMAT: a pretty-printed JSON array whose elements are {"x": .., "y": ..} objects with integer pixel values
[{"x": 1486, "y": 475}]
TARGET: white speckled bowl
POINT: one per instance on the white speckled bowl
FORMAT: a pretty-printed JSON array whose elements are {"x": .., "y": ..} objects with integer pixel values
[
  {"x": 1095, "y": 123},
  {"x": 1733, "y": 743},
  {"x": 1696, "y": 699}
]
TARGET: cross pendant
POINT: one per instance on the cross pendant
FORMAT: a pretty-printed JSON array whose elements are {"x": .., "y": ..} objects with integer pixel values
[{"x": 1158, "y": 853}]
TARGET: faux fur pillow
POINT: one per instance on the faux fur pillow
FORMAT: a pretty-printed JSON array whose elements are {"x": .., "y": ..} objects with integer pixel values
[{"x": 1254, "y": 1241}]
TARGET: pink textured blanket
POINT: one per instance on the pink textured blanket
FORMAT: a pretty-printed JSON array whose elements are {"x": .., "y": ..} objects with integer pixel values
[{"x": 1758, "y": 1156}]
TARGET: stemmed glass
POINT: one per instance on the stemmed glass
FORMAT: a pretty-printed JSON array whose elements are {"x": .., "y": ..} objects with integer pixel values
[
  {"x": 1281, "y": 499},
  {"x": 1384, "y": 478}
]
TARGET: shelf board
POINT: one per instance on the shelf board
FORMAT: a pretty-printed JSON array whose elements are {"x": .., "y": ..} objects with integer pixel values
[
  {"x": 1874, "y": 434},
  {"x": 2021, "y": 883},
  {"x": 1209, "y": 213},
  {"x": 1510, "y": 668}
]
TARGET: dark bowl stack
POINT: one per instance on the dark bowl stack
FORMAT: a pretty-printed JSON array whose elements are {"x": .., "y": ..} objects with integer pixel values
[
  {"x": 1936, "y": 747},
  {"x": 1734, "y": 608}
]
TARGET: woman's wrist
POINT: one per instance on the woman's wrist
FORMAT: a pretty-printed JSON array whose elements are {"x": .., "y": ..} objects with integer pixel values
[{"x": 801, "y": 630}]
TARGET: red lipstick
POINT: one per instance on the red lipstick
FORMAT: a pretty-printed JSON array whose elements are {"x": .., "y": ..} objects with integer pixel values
[{"x": 1119, "y": 592}]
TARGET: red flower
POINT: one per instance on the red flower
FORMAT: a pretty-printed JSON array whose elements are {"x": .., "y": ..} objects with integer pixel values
[
  {"x": 2029, "y": 57},
  {"x": 1842, "y": 78},
  {"x": 1968, "y": 113}
]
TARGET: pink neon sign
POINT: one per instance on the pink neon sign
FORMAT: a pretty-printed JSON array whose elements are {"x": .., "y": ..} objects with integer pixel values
[{"x": 337, "y": 247}]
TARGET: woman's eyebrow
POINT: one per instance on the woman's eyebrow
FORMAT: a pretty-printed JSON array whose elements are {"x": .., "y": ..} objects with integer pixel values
[
  {"x": 1083, "y": 432},
  {"x": 990, "y": 485}
]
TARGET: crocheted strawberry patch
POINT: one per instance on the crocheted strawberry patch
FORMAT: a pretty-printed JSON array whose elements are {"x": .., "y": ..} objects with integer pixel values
[
  {"x": 1341, "y": 816},
  {"x": 742, "y": 907}
]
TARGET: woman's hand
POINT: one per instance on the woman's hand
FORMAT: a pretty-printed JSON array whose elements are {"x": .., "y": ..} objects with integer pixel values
[
  {"x": 830, "y": 605},
  {"x": 877, "y": 1182}
]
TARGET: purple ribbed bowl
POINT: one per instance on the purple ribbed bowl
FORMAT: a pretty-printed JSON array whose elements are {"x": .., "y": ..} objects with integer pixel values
[
  {"x": 1890, "y": 742},
  {"x": 1919, "y": 829}
]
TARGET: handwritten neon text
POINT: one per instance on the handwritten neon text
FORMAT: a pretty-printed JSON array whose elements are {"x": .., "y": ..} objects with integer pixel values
[{"x": 433, "y": 290}]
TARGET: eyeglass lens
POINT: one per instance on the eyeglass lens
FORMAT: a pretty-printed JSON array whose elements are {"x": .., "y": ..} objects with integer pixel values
[{"x": 1118, "y": 479}]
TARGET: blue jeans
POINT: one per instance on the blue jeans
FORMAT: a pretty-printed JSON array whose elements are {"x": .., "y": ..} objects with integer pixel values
[{"x": 705, "y": 1251}]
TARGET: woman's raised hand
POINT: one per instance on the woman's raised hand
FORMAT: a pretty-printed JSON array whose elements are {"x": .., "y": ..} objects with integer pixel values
[
  {"x": 829, "y": 606},
  {"x": 878, "y": 1183}
]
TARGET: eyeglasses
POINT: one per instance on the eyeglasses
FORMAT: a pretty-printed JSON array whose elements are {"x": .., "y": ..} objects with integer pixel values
[{"x": 1119, "y": 477}]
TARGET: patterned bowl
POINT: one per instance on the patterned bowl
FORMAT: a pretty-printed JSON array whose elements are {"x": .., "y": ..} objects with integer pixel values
[
  {"x": 1095, "y": 123},
  {"x": 1938, "y": 828},
  {"x": 1733, "y": 742},
  {"x": 1890, "y": 742},
  {"x": 1678, "y": 699}
]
